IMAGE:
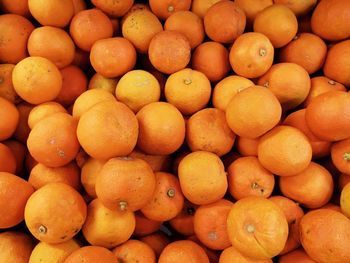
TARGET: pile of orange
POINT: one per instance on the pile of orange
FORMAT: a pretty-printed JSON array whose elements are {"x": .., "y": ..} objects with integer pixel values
[{"x": 171, "y": 131}]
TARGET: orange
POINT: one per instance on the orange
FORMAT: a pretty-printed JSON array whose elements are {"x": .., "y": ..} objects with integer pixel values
[
  {"x": 284, "y": 151},
  {"x": 183, "y": 250},
  {"x": 247, "y": 177},
  {"x": 325, "y": 235},
  {"x": 187, "y": 23},
  {"x": 330, "y": 20},
  {"x": 257, "y": 228},
  {"x": 113, "y": 8},
  {"x": 211, "y": 58},
  {"x": 112, "y": 57},
  {"x": 14, "y": 34},
  {"x": 97, "y": 81},
  {"x": 14, "y": 195},
  {"x": 232, "y": 255},
  {"x": 53, "y": 141},
  {"x": 169, "y": 51},
  {"x": 297, "y": 255},
  {"x": 7, "y": 159},
  {"x": 343, "y": 180},
  {"x": 78, "y": 5},
  {"x": 183, "y": 222},
  {"x": 158, "y": 163},
  {"x": 328, "y": 116},
  {"x": 145, "y": 226},
  {"x": 6, "y": 87},
  {"x": 89, "y": 172},
  {"x": 107, "y": 228},
  {"x": 344, "y": 200},
  {"x": 165, "y": 8},
  {"x": 157, "y": 242},
  {"x": 9, "y": 119},
  {"x": 137, "y": 88},
  {"x": 91, "y": 254},
  {"x": 200, "y": 7},
  {"x": 135, "y": 251},
  {"x": 161, "y": 128},
  {"x": 253, "y": 111},
  {"x": 251, "y": 55},
  {"x": 224, "y": 22},
  {"x": 37, "y": 80},
  {"x": 22, "y": 130},
  {"x": 42, "y": 111},
  {"x": 188, "y": 90},
  {"x": 289, "y": 93},
  {"x": 137, "y": 179},
  {"x": 15, "y": 247},
  {"x": 247, "y": 147},
  {"x": 298, "y": 7},
  {"x": 227, "y": 88},
  {"x": 278, "y": 23},
  {"x": 19, "y": 151},
  {"x": 88, "y": 26},
  {"x": 56, "y": 13},
  {"x": 18, "y": 7},
  {"x": 340, "y": 154},
  {"x": 212, "y": 254},
  {"x": 252, "y": 7},
  {"x": 47, "y": 210},
  {"x": 307, "y": 50},
  {"x": 202, "y": 177},
  {"x": 210, "y": 224}
]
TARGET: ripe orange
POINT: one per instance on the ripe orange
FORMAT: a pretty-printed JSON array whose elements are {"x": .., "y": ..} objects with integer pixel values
[
  {"x": 298, "y": 7},
  {"x": 7, "y": 159},
  {"x": 183, "y": 222},
  {"x": 19, "y": 152},
  {"x": 6, "y": 87},
  {"x": 18, "y": 7},
  {"x": 89, "y": 172},
  {"x": 200, "y": 7},
  {"x": 135, "y": 251},
  {"x": 157, "y": 242},
  {"x": 97, "y": 81},
  {"x": 15, "y": 247},
  {"x": 251, "y": 8},
  {"x": 145, "y": 226},
  {"x": 297, "y": 255},
  {"x": 232, "y": 255},
  {"x": 42, "y": 111},
  {"x": 23, "y": 130},
  {"x": 158, "y": 163},
  {"x": 247, "y": 147},
  {"x": 114, "y": 8},
  {"x": 9, "y": 119},
  {"x": 165, "y": 8},
  {"x": 340, "y": 154},
  {"x": 91, "y": 254}
]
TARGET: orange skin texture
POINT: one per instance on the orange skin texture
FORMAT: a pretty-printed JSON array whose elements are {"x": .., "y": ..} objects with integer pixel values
[
  {"x": 88, "y": 175},
  {"x": 157, "y": 242},
  {"x": 298, "y": 255},
  {"x": 7, "y": 90},
  {"x": 183, "y": 250},
  {"x": 164, "y": 9},
  {"x": 114, "y": 128},
  {"x": 212, "y": 254},
  {"x": 247, "y": 147},
  {"x": 167, "y": 200},
  {"x": 285, "y": 151},
  {"x": 9, "y": 119},
  {"x": 161, "y": 128},
  {"x": 23, "y": 130},
  {"x": 169, "y": 51},
  {"x": 296, "y": 119},
  {"x": 336, "y": 66},
  {"x": 251, "y": 8},
  {"x": 251, "y": 55},
  {"x": 158, "y": 163},
  {"x": 328, "y": 116},
  {"x": 339, "y": 153},
  {"x": 18, "y": 7},
  {"x": 207, "y": 130},
  {"x": 257, "y": 228},
  {"x": 14, "y": 195},
  {"x": 14, "y": 33},
  {"x": 312, "y": 188},
  {"x": 232, "y": 255},
  {"x": 53, "y": 141},
  {"x": 247, "y": 177},
  {"x": 253, "y": 112},
  {"x": 19, "y": 151},
  {"x": 299, "y": 8},
  {"x": 49, "y": 207},
  {"x": 145, "y": 226},
  {"x": 91, "y": 254},
  {"x": 7, "y": 159},
  {"x": 42, "y": 111},
  {"x": 330, "y": 20},
  {"x": 113, "y": 8},
  {"x": 307, "y": 50},
  {"x": 210, "y": 224},
  {"x": 183, "y": 222},
  {"x": 321, "y": 223},
  {"x": 15, "y": 247},
  {"x": 212, "y": 59},
  {"x": 200, "y": 7},
  {"x": 135, "y": 251},
  {"x": 293, "y": 213},
  {"x": 97, "y": 81},
  {"x": 137, "y": 178}
]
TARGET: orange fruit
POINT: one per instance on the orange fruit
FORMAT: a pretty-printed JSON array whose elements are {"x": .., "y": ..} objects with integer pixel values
[
  {"x": 156, "y": 241},
  {"x": 224, "y": 22},
  {"x": 91, "y": 254},
  {"x": 158, "y": 163},
  {"x": 227, "y": 88},
  {"x": 285, "y": 151},
  {"x": 167, "y": 200},
  {"x": 14, "y": 33},
  {"x": 161, "y": 128},
  {"x": 53, "y": 141},
  {"x": 202, "y": 177},
  {"x": 23, "y": 130},
  {"x": 297, "y": 255},
  {"x": 344, "y": 200},
  {"x": 232, "y": 255},
  {"x": 200, "y": 7},
  {"x": 7, "y": 90},
  {"x": 247, "y": 177},
  {"x": 15, "y": 247},
  {"x": 9, "y": 119},
  {"x": 289, "y": 93},
  {"x": 210, "y": 224},
  {"x": 212, "y": 254},
  {"x": 145, "y": 226},
  {"x": 183, "y": 222},
  {"x": 325, "y": 235},
  {"x": 53, "y": 253},
  {"x": 78, "y": 5},
  {"x": 112, "y": 57},
  {"x": 47, "y": 210},
  {"x": 18, "y": 7},
  {"x": 257, "y": 228},
  {"x": 187, "y": 23},
  {"x": 312, "y": 58},
  {"x": 42, "y": 111},
  {"x": 114, "y": 8},
  {"x": 97, "y": 81},
  {"x": 251, "y": 8},
  {"x": 89, "y": 173},
  {"x": 169, "y": 51},
  {"x": 19, "y": 151},
  {"x": 183, "y": 250},
  {"x": 251, "y": 55},
  {"x": 340, "y": 154},
  {"x": 253, "y": 111},
  {"x": 188, "y": 90},
  {"x": 7, "y": 159},
  {"x": 107, "y": 228},
  {"x": 14, "y": 195},
  {"x": 298, "y": 7},
  {"x": 247, "y": 147},
  {"x": 335, "y": 66},
  {"x": 293, "y": 213},
  {"x": 37, "y": 80},
  {"x": 137, "y": 178},
  {"x": 165, "y": 8},
  {"x": 135, "y": 251},
  {"x": 330, "y": 20},
  {"x": 343, "y": 180},
  {"x": 211, "y": 58},
  {"x": 114, "y": 129},
  {"x": 56, "y": 13},
  {"x": 328, "y": 117},
  {"x": 278, "y": 23}
]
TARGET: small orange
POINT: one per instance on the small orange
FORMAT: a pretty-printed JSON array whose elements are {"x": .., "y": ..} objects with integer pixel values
[
  {"x": 135, "y": 251},
  {"x": 9, "y": 119},
  {"x": 78, "y": 5},
  {"x": 7, "y": 90},
  {"x": 145, "y": 226},
  {"x": 97, "y": 81},
  {"x": 18, "y": 7},
  {"x": 252, "y": 7},
  {"x": 200, "y": 7},
  {"x": 343, "y": 180},
  {"x": 183, "y": 222},
  {"x": 297, "y": 255},
  {"x": 247, "y": 147},
  {"x": 7, "y": 159},
  {"x": 157, "y": 242},
  {"x": 158, "y": 163},
  {"x": 89, "y": 172},
  {"x": 344, "y": 200},
  {"x": 114, "y": 8},
  {"x": 15, "y": 247},
  {"x": 212, "y": 254},
  {"x": 232, "y": 255},
  {"x": 340, "y": 154},
  {"x": 298, "y": 7},
  {"x": 165, "y": 8},
  {"x": 19, "y": 151},
  {"x": 23, "y": 130},
  {"x": 91, "y": 254},
  {"x": 42, "y": 111}
]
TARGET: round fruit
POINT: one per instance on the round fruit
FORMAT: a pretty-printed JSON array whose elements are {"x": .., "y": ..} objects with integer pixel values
[
  {"x": 135, "y": 251},
  {"x": 91, "y": 254},
  {"x": 15, "y": 247}
]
